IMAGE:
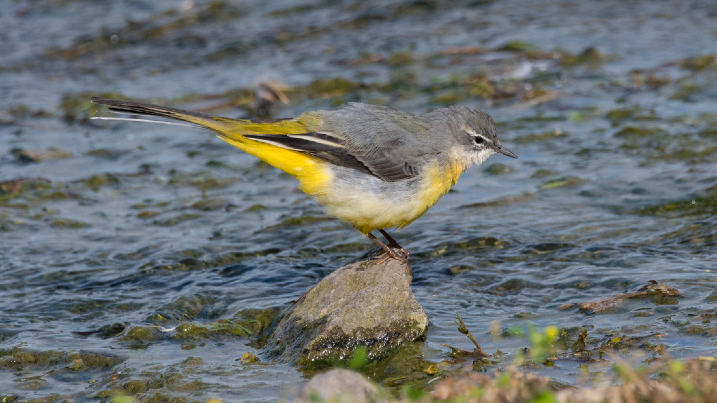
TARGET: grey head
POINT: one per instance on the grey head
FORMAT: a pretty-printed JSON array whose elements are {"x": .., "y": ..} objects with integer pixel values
[{"x": 475, "y": 131}]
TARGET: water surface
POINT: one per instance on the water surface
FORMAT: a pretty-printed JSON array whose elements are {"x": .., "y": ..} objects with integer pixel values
[{"x": 116, "y": 226}]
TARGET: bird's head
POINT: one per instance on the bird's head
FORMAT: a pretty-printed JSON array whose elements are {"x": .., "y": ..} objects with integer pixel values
[{"x": 476, "y": 133}]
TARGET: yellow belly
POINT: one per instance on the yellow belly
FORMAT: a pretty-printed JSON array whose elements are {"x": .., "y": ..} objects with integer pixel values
[{"x": 368, "y": 204}]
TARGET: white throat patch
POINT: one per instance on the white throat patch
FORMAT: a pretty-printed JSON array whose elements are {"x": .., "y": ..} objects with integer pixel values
[{"x": 482, "y": 155}]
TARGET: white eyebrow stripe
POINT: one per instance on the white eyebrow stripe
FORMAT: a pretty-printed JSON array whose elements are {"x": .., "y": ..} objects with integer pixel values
[{"x": 472, "y": 132}]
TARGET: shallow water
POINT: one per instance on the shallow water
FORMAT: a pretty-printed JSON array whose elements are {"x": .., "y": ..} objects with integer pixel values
[{"x": 148, "y": 227}]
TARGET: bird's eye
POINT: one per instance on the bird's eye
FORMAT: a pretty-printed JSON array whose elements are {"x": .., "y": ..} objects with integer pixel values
[{"x": 479, "y": 140}]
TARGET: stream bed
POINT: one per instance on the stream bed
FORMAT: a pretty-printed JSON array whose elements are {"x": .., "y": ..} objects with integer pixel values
[{"x": 150, "y": 259}]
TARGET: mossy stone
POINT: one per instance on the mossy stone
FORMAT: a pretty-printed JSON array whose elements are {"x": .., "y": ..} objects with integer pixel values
[{"x": 367, "y": 304}]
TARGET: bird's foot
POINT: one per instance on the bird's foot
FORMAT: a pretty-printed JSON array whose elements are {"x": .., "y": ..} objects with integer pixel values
[
  {"x": 399, "y": 253},
  {"x": 392, "y": 251}
]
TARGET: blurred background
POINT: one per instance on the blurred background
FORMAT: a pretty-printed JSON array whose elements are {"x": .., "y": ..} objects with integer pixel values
[{"x": 149, "y": 259}]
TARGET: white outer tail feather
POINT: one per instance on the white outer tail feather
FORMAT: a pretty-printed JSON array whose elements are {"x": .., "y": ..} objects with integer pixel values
[{"x": 147, "y": 121}]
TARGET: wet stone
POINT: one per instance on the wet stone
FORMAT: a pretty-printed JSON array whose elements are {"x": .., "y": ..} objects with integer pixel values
[
  {"x": 368, "y": 304},
  {"x": 339, "y": 385}
]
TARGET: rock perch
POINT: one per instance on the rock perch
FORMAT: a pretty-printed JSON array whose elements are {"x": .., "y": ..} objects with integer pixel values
[{"x": 368, "y": 303}]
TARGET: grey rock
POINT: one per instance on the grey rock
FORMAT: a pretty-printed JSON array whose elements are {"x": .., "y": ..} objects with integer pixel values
[
  {"x": 340, "y": 385},
  {"x": 368, "y": 304}
]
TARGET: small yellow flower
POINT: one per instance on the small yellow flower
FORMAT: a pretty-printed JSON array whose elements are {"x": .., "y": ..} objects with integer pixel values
[{"x": 551, "y": 332}]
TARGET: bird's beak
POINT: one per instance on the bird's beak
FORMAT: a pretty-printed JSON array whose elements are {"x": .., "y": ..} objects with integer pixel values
[{"x": 504, "y": 151}]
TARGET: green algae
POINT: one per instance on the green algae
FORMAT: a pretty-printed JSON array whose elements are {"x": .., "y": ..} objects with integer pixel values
[
  {"x": 77, "y": 108},
  {"x": 202, "y": 180},
  {"x": 188, "y": 307},
  {"x": 568, "y": 181},
  {"x": 699, "y": 63},
  {"x": 620, "y": 114},
  {"x": 255, "y": 321},
  {"x": 255, "y": 207},
  {"x": 403, "y": 58},
  {"x": 152, "y": 29},
  {"x": 686, "y": 92},
  {"x": 298, "y": 221},
  {"x": 142, "y": 334},
  {"x": 19, "y": 111},
  {"x": 633, "y": 132},
  {"x": 246, "y": 323},
  {"x": 30, "y": 156},
  {"x": 590, "y": 56},
  {"x": 689, "y": 154},
  {"x": 447, "y": 98},
  {"x": 499, "y": 169},
  {"x": 455, "y": 90},
  {"x": 83, "y": 361},
  {"x": 24, "y": 188},
  {"x": 479, "y": 244},
  {"x": 210, "y": 204},
  {"x": 106, "y": 331},
  {"x": 632, "y": 113},
  {"x": 148, "y": 214},
  {"x": 708, "y": 132},
  {"x": 337, "y": 347},
  {"x": 159, "y": 383},
  {"x": 516, "y": 46},
  {"x": 328, "y": 88},
  {"x": 89, "y": 306},
  {"x": 249, "y": 358},
  {"x": 229, "y": 50},
  {"x": 107, "y": 154},
  {"x": 191, "y": 331},
  {"x": 403, "y": 366},
  {"x": 480, "y": 86},
  {"x": 704, "y": 204},
  {"x": 6, "y": 224},
  {"x": 536, "y": 137},
  {"x": 651, "y": 80},
  {"x": 134, "y": 387},
  {"x": 74, "y": 361},
  {"x": 67, "y": 223},
  {"x": 220, "y": 164},
  {"x": 177, "y": 219},
  {"x": 98, "y": 181},
  {"x": 542, "y": 173}
]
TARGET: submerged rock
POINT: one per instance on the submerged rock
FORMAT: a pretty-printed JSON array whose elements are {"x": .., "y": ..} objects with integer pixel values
[
  {"x": 368, "y": 303},
  {"x": 339, "y": 385}
]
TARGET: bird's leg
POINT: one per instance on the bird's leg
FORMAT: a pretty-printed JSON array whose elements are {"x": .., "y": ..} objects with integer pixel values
[
  {"x": 393, "y": 244},
  {"x": 397, "y": 253},
  {"x": 393, "y": 251},
  {"x": 389, "y": 251}
]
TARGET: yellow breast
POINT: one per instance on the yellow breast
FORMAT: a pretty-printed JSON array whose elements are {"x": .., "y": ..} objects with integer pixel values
[
  {"x": 436, "y": 183},
  {"x": 368, "y": 203}
]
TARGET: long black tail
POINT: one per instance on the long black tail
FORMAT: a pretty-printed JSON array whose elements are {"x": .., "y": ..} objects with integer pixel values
[{"x": 149, "y": 109}]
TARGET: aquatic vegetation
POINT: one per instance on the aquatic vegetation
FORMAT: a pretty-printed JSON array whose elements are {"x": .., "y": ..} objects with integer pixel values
[{"x": 154, "y": 263}]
